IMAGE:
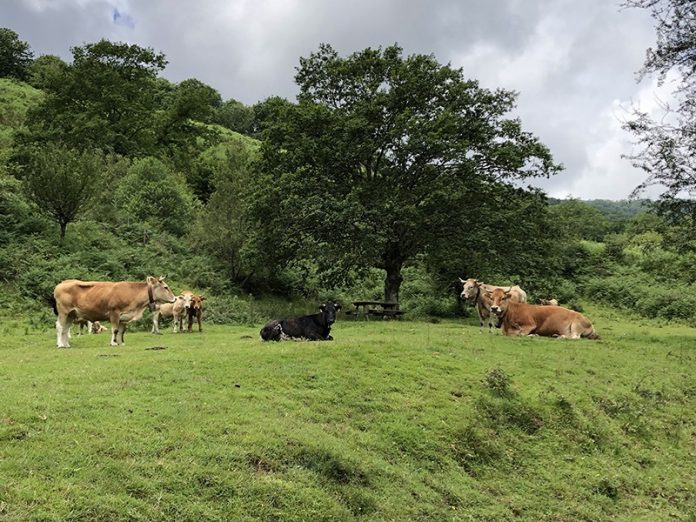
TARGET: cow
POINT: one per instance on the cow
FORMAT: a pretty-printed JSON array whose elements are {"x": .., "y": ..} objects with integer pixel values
[
  {"x": 475, "y": 293},
  {"x": 548, "y": 302},
  {"x": 195, "y": 310},
  {"x": 316, "y": 327},
  {"x": 177, "y": 310},
  {"x": 119, "y": 302},
  {"x": 527, "y": 319}
]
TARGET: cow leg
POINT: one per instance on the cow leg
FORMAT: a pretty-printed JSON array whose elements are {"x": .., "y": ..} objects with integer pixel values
[
  {"x": 200, "y": 326},
  {"x": 62, "y": 330},
  {"x": 155, "y": 322},
  {"x": 122, "y": 331},
  {"x": 89, "y": 327},
  {"x": 114, "y": 318}
]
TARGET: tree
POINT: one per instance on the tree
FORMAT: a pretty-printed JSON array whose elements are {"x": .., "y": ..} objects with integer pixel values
[
  {"x": 47, "y": 71},
  {"x": 236, "y": 116},
  {"x": 150, "y": 193},
  {"x": 61, "y": 181},
  {"x": 108, "y": 99},
  {"x": 575, "y": 219},
  {"x": 15, "y": 55},
  {"x": 367, "y": 168},
  {"x": 667, "y": 146}
]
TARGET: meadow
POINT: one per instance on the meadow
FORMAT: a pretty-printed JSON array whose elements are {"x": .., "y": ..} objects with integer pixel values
[{"x": 391, "y": 421}]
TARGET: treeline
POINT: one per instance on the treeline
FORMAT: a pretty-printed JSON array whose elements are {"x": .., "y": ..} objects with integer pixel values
[{"x": 389, "y": 177}]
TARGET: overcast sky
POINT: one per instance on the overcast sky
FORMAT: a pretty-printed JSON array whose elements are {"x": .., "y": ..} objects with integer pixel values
[{"x": 573, "y": 62}]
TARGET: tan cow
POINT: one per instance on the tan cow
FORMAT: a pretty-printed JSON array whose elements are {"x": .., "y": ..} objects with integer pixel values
[
  {"x": 549, "y": 321},
  {"x": 177, "y": 310},
  {"x": 92, "y": 327},
  {"x": 475, "y": 293},
  {"x": 119, "y": 302}
]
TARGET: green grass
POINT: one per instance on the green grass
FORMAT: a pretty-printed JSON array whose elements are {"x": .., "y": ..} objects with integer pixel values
[{"x": 391, "y": 421}]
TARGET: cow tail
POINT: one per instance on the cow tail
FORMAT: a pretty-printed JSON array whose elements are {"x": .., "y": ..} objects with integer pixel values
[{"x": 53, "y": 303}]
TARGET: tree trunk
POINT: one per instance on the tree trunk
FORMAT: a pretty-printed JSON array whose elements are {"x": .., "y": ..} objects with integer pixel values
[
  {"x": 392, "y": 281},
  {"x": 63, "y": 226}
]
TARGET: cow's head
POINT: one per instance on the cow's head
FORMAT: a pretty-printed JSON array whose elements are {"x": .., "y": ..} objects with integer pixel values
[
  {"x": 500, "y": 299},
  {"x": 471, "y": 288},
  {"x": 187, "y": 298},
  {"x": 328, "y": 312},
  {"x": 161, "y": 293},
  {"x": 197, "y": 302}
]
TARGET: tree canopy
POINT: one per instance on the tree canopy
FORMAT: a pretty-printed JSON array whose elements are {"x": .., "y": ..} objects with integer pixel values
[
  {"x": 667, "y": 145},
  {"x": 378, "y": 153},
  {"x": 15, "y": 55}
]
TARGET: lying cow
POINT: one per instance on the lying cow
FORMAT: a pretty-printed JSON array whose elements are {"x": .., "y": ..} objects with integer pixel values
[
  {"x": 475, "y": 292},
  {"x": 119, "y": 302},
  {"x": 548, "y": 302},
  {"x": 194, "y": 310},
  {"x": 526, "y": 319},
  {"x": 316, "y": 327},
  {"x": 177, "y": 310},
  {"x": 92, "y": 327}
]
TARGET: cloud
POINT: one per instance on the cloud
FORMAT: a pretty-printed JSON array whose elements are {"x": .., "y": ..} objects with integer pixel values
[
  {"x": 122, "y": 19},
  {"x": 572, "y": 63}
]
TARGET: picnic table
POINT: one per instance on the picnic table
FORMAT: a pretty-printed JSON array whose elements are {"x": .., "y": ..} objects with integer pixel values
[{"x": 382, "y": 309}]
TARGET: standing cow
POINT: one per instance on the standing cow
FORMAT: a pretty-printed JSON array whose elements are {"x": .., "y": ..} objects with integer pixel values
[
  {"x": 526, "y": 319},
  {"x": 119, "y": 302},
  {"x": 316, "y": 327},
  {"x": 475, "y": 292}
]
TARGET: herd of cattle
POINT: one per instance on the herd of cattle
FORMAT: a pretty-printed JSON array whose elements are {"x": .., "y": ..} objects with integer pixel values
[{"x": 87, "y": 302}]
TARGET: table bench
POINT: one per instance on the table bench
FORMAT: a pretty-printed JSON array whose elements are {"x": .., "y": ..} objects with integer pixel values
[{"x": 386, "y": 310}]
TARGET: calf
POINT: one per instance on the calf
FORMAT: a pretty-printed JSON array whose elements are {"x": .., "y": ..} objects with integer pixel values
[
  {"x": 194, "y": 309},
  {"x": 316, "y": 327},
  {"x": 475, "y": 292},
  {"x": 548, "y": 302},
  {"x": 176, "y": 310},
  {"x": 526, "y": 319}
]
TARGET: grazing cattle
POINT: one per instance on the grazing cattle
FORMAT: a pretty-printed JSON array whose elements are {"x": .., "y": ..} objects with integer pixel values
[
  {"x": 316, "y": 327},
  {"x": 119, "y": 302},
  {"x": 527, "y": 319},
  {"x": 177, "y": 310},
  {"x": 195, "y": 310},
  {"x": 548, "y": 302},
  {"x": 475, "y": 293}
]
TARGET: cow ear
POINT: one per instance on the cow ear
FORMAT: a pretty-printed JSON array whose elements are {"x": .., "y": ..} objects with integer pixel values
[
  {"x": 150, "y": 279},
  {"x": 202, "y": 298}
]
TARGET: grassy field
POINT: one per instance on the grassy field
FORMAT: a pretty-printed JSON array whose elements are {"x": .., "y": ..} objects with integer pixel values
[{"x": 391, "y": 421}]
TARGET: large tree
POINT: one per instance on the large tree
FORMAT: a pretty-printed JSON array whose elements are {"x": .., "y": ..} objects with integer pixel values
[
  {"x": 367, "y": 168},
  {"x": 666, "y": 146},
  {"x": 15, "y": 55}
]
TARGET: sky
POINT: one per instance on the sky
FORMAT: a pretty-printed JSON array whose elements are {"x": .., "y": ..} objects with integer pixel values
[{"x": 572, "y": 62}]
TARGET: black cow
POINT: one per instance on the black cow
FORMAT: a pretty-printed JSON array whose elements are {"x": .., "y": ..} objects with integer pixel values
[{"x": 314, "y": 327}]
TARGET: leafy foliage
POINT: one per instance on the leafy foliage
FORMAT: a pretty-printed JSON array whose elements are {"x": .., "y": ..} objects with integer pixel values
[{"x": 15, "y": 55}]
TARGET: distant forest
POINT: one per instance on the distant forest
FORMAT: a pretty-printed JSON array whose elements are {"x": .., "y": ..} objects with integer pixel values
[{"x": 390, "y": 177}]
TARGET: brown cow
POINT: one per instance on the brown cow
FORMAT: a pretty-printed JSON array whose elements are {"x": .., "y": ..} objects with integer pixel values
[
  {"x": 475, "y": 293},
  {"x": 195, "y": 309},
  {"x": 548, "y": 302},
  {"x": 119, "y": 302},
  {"x": 526, "y": 319}
]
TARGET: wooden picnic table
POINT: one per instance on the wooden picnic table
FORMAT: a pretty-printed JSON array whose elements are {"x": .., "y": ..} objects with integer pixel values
[{"x": 386, "y": 310}]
